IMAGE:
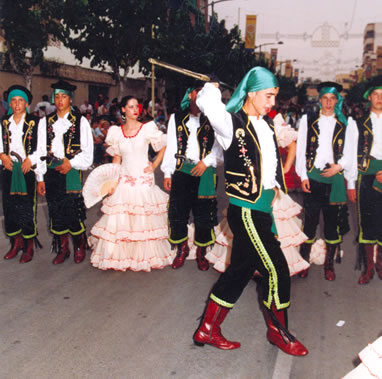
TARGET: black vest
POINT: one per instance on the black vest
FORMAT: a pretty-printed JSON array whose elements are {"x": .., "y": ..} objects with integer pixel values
[
  {"x": 243, "y": 160},
  {"x": 30, "y": 129},
  {"x": 72, "y": 137},
  {"x": 312, "y": 140},
  {"x": 205, "y": 135},
  {"x": 365, "y": 142}
]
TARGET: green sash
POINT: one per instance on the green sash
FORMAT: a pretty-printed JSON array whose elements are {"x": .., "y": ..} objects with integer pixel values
[
  {"x": 18, "y": 185},
  {"x": 73, "y": 178},
  {"x": 338, "y": 190},
  {"x": 207, "y": 185},
  {"x": 374, "y": 166},
  {"x": 263, "y": 204}
]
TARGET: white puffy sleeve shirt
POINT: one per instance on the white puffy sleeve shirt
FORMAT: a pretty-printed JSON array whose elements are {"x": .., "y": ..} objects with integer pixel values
[
  {"x": 84, "y": 159},
  {"x": 192, "y": 150},
  {"x": 17, "y": 146},
  {"x": 210, "y": 103},
  {"x": 324, "y": 152}
]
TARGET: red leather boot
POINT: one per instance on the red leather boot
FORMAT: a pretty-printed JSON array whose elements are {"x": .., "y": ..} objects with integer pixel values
[
  {"x": 17, "y": 244},
  {"x": 64, "y": 251},
  {"x": 329, "y": 262},
  {"x": 209, "y": 330},
  {"x": 28, "y": 251},
  {"x": 378, "y": 264},
  {"x": 181, "y": 255},
  {"x": 305, "y": 253},
  {"x": 79, "y": 243},
  {"x": 203, "y": 264},
  {"x": 279, "y": 335},
  {"x": 368, "y": 270}
]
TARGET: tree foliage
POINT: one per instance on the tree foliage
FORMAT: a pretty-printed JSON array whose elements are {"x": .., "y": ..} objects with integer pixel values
[
  {"x": 114, "y": 33},
  {"x": 216, "y": 51},
  {"x": 287, "y": 88},
  {"x": 355, "y": 94},
  {"x": 118, "y": 34},
  {"x": 27, "y": 28}
]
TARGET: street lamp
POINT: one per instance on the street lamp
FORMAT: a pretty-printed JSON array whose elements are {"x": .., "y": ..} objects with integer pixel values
[
  {"x": 282, "y": 62},
  {"x": 212, "y": 5},
  {"x": 266, "y": 44}
]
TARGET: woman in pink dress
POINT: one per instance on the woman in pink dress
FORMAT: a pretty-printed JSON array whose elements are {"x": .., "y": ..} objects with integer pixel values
[
  {"x": 285, "y": 212},
  {"x": 132, "y": 232}
]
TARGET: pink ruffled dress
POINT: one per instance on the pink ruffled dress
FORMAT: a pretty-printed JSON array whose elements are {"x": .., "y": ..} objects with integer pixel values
[
  {"x": 285, "y": 212},
  {"x": 132, "y": 232}
]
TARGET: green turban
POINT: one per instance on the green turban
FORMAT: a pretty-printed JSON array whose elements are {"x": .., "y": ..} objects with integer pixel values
[{"x": 257, "y": 79}]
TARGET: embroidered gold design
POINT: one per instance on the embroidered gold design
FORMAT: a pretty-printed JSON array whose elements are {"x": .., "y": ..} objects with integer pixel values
[
  {"x": 237, "y": 188},
  {"x": 254, "y": 184},
  {"x": 240, "y": 133}
]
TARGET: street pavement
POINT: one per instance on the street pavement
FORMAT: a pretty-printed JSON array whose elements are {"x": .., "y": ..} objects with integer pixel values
[{"x": 74, "y": 321}]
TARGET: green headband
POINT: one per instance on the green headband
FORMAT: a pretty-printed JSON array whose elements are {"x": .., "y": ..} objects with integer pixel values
[
  {"x": 256, "y": 79},
  {"x": 14, "y": 93},
  {"x": 338, "y": 107},
  {"x": 369, "y": 91},
  {"x": 58, "y": 90},
  {"x": 185, "y": 103}
]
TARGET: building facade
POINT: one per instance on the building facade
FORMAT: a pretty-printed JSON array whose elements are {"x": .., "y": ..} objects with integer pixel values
[{"x": 372, "y": 50}]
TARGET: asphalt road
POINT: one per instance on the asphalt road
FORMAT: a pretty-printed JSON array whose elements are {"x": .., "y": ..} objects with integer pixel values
[{"x": 74, "y": 321}]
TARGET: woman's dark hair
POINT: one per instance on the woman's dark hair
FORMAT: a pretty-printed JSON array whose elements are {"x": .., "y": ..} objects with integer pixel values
[{"x": 125, "y": 100}]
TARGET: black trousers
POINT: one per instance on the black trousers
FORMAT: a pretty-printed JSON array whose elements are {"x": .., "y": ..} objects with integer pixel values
[
  {"x": 369, "y": 211},
  {"x": 183, "y": 200},
  {"x": 66, "y": 211},
  {"x": 254, "y": 247},
  {"x": 20, "y": 212},
  {"x": 316, "y": 201}
]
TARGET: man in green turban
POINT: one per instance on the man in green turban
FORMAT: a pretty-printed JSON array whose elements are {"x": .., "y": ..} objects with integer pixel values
[
  {"x": 20, "y": 151},
  {"x": 253, "y": 176},
  {"x": 189, "y": 167},
  {"x": 368, "y": 167},
  {"x": 323, "y": 162}
]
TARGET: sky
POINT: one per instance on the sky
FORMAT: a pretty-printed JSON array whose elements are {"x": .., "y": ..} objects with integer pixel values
[{"x": 292, "y": 20}]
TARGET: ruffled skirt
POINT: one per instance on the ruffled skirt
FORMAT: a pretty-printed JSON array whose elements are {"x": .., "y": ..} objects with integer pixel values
[{"x": 132, "y": 233}]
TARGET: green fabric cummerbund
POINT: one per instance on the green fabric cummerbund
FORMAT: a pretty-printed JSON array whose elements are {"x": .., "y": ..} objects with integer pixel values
[
  {"x": 263, "y": 204},
  {"x": 207, "y": 185},
  {"x": 338, "y": 190},
  {"x": 374, "y": 166},
  {"x": 18, "y": 185},
  {"x": 73, "y": 178}
]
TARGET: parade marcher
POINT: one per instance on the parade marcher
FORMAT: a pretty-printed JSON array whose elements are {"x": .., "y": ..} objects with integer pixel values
[
  {"x": 20, "y": 149},
  {"x": 284, "y": 210},
  {"x": 68, "y": 151},
  {"x": 323, "y": 161},
  {"x": 368, "y": 161},
  {"x": 132, "y": 232},
  {"x": 189, "y": 167},
  {"x": 253, "y": 175}
]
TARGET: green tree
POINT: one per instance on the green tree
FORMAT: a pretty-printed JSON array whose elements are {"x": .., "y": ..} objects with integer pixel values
[
  {"x": 28, "y": 27},
  {"x": 355, "y": 94},
  {"x": 113, "y": 34},
  {"x": 189, "y": 46},
  {"x": 287, "y": 88}
]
